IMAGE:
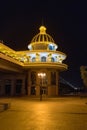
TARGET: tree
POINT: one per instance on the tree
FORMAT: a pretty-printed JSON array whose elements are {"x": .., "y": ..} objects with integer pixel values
[{"x": 83, "y": 70}]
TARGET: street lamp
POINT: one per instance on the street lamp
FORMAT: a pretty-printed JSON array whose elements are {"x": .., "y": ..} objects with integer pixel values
[{"x": 41, "y": 76}]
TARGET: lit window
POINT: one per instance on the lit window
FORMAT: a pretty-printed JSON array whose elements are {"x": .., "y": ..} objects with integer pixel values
[
  {"x": 43, "y": 59},
  {"x": 52, "y": 59},
  {"x": 33, "y": 59},
  {"x": 51, "y": 47}
]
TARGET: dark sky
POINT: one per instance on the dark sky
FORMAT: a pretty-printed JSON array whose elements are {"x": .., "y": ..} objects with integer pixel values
[{"x": 66, "y": 22}]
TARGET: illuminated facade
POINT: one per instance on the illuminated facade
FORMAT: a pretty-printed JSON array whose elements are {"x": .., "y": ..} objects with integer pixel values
[{"x": 20, "y": 69}]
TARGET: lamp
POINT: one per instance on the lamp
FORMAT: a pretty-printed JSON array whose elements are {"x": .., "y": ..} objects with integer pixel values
[{"x": 41, "y": 76}]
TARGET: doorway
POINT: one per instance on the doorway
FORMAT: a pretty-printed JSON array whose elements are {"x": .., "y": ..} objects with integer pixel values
[
  {"x": 7, "y": 87},
  {"x": 18, "y": 86}
]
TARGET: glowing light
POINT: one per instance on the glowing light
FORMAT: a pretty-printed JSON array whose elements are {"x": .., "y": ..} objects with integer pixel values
[
  {"x": 41, "y": 49},
  {"x": 42, "y": 30},
  {"x": 41, "y": 75}
]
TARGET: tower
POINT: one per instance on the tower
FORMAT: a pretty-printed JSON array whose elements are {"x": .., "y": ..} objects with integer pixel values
[
  {"x": 34, "y": 71},
  {"x": 44, "y": 59}
]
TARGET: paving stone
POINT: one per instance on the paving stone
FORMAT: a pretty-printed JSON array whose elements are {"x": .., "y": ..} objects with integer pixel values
[{"x": 50, "y": 114}]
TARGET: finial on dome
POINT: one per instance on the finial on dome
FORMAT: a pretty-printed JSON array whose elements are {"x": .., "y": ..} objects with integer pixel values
[
  {"x": 42, "y": 22},
  {"x": 42, "y": 30}
]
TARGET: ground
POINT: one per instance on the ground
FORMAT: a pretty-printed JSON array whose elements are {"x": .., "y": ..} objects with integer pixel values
[{"x": 63, "y": 113}]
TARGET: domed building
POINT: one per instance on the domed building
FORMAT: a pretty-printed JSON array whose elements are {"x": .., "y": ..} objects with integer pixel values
[{"x": 34, "y": 71}]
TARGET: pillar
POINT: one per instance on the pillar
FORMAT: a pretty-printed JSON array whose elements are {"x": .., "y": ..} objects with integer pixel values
[
  {"x": 12, "y": 87},
  {"x": 57, "y": 82},
  {"x": 23, "y": 86},
  {"x": 49, "y": 83},
  {"x": 37, "y": 84},
  {"x": 28, "y": 83}
]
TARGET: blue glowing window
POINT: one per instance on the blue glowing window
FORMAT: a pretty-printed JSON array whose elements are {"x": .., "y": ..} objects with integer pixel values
[{"x": 51, "y": 47}]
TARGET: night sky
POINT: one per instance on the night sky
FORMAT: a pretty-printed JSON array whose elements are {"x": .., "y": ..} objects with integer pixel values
[{"x": 66, "y": 22}]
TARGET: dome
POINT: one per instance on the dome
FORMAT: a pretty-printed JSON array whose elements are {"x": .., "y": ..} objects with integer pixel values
[
  {"x": 42, "y": 41},
  {"x": 42, "y": 36}
]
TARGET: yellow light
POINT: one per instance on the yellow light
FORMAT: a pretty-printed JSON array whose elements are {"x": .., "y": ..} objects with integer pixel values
[
  {"x": 41, "y": 75},
  {"x": 42, "y": 30}
]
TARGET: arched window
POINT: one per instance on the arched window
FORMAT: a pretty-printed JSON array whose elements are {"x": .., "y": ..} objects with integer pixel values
[
  {"x": 52, "y": 59},
  {"x": 33, "y": 59},
  {"x": 43, "y": 59},
  {"x": 51, "y": 47}
]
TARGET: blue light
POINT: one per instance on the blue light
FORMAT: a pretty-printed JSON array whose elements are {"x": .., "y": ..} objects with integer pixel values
[{"x": 51, "y": 47}]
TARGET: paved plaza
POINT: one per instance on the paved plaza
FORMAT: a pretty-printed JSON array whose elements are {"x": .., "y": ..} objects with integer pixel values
[{"x": 69, "y": 113}]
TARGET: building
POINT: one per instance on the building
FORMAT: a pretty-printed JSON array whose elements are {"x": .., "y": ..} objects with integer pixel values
[{"x": 34, "y": 71}]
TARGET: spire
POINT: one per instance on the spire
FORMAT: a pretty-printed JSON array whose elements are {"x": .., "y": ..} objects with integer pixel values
[{"x": 42, "y": 22}]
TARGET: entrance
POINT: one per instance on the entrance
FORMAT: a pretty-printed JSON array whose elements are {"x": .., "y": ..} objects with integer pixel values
[
  {"x": 18, "y": 86},
  {"x": 8, "y": 90},
  {"x": 7, "y": 87}
]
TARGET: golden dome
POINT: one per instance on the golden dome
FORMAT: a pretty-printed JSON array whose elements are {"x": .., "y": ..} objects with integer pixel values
[
  {"x": 42, "y": 36},
  {"x": 41, "y": 40}
]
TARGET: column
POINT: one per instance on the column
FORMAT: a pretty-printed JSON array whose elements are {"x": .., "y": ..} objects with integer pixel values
[
  {"x": 49, "y": 83},
  {"x": 37, "y": 84},
  {"x": 29, "y": 83},
  {"x": 57, "y": 82},
  {"x": 23, "y": 86},
  {"x": 12, "y": 87}
]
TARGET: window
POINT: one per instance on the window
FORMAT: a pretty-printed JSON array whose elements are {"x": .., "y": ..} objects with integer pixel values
[
  {"x": 52, "y": 59},
  {"x": 7, "y": 86},
  {"x": 51, "y": 47},
  {"x": 33, "y": 59},
  {"x": 43, "y": 59}
]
